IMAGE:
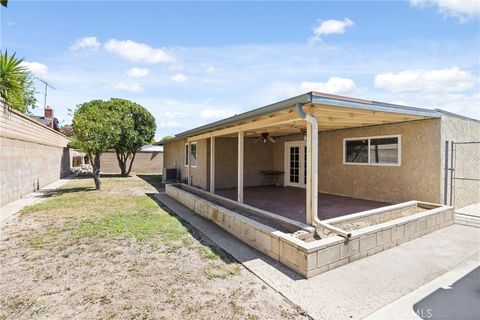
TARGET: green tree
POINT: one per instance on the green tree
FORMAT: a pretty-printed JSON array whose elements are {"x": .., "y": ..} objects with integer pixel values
[
  {"x": 11, "y": 74},
  {"x": 24, "y": 100},
  {"x": 165, "y": 138},
  {"x": 96, "y": 129},
  {"x": 4, "y": 3},
  {"x": 136, "y": 129}
]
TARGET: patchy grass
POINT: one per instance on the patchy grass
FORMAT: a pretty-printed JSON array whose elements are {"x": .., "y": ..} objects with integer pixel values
[
  {"x": 115, "y": 253},
  {"x": 143, "y": 222}
]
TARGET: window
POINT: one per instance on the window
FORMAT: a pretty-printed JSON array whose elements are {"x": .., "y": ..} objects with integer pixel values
[
  {"x": 384, "y": 150},
  {"x": 193, "y": 154},
  {"x": 193, "y": 159}
]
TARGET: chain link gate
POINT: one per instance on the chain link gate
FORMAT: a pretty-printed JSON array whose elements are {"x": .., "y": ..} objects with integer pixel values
[{"x": 462, "y": 177}]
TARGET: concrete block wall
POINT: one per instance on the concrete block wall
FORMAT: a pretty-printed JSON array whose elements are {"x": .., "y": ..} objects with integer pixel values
[
  {"x": 145, "y": 162},
  {"x": 314, "y": 257},
  {"x": 31, "y": 155}
]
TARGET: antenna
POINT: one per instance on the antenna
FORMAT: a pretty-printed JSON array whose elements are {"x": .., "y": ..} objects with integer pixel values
[{"x": 47, "y": 85}]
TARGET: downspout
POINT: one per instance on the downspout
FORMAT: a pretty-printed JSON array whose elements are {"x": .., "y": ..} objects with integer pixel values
[{"x": 312, "y": 203}]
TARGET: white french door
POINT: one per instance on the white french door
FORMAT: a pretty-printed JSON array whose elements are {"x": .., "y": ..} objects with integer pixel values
[{"x": 295, "y": 164}]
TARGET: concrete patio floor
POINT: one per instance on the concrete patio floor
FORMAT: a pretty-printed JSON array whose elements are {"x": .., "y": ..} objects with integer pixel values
[
  {"x": 290, "y": 202},
  {"x": 357, "y": 289}
]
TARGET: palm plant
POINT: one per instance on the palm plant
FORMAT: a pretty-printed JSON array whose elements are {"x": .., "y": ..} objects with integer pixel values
[{"x": 11, "y": 72}]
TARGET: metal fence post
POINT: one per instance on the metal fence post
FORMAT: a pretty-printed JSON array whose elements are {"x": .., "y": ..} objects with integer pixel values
[{"x": 445, "y": 178}]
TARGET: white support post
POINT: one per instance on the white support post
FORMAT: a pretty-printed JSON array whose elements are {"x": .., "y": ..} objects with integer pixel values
[
  {"x": 240, "y": 167},
  {"x": 212, "y": 164},
  {"x": 308, "y": 203},
  {"x": 189, "y": 170},
  {"x": 315, "y": 142}
]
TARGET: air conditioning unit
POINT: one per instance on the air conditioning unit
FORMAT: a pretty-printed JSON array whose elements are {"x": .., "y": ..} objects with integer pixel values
[{"x": 170, "y": 174}]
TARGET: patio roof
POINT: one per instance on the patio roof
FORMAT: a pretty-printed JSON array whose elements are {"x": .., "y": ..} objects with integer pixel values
[{"x": 332, "y": 112}]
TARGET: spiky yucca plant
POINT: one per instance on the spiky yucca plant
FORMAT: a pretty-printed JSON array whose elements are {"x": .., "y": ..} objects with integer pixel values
[{"x": 11, "y": 72}]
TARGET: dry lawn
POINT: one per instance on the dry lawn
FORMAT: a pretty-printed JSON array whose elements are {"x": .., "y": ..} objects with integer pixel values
[{"x": 116, "y": 254}]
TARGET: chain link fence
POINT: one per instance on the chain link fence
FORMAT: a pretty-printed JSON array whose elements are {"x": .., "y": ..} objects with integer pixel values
[{"x": 464, "y": 174}]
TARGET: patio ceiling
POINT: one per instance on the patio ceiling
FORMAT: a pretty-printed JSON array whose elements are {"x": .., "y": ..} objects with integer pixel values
[{"x": 329, "y": 117}]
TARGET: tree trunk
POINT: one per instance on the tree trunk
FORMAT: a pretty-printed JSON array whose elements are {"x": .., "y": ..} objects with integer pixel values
[
  {"x": 122, "y": 162},
  {"x": 131, "y": 163},
  {"x": 96, "y": 171}
]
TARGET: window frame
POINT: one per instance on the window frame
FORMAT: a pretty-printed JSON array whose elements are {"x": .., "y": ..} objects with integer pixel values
[
  {"x": 196, "y": 153},
  {"x": 186, "y": 154},
  {"x": 368, "y": 163}
]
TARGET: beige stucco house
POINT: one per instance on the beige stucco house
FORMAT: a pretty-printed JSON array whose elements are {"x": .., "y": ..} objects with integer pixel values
[{"x": 318, "y": 151}]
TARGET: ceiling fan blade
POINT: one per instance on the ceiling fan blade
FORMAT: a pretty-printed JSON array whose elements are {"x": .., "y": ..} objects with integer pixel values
[
  {"x": 271, "y": 139},
  {"x": 257, "y": 139}
]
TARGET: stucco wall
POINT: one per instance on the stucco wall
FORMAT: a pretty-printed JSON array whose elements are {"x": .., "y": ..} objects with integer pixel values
[
  {"x": 145, "y": 162},
  {"x": 32, "y": 155},
  {"x": 417, "y": 178},
  {"x": 257, "y": 157},
  {"x": 459, "y": 129}
]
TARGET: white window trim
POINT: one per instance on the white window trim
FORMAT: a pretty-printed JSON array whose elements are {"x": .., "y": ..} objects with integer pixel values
[
  {"x": 374, "y": 164},
  {"x": 187, "y": 156},
  {"x": 190, "y": 153}
]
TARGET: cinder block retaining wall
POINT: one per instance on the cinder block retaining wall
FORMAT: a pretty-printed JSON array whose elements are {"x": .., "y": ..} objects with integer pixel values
[
  {"x": 31, "y": 155},
  {"x": 145, "y": 162},
  {"x": 310, "y": 258}
]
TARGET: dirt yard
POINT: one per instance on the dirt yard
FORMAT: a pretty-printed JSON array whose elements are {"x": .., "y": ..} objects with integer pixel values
[{"x": 116, "y": 254}]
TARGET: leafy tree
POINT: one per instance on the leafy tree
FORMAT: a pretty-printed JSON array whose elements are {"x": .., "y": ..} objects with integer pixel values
[
  {"x": 4, "y": 3},
  {"x": 165, "y": 138},
  {"x": 23, "y": 100},
  {"x": 11, "y": 73},
  {"x": 96, "y": 129},
  {"x": 136, "y": 129}
]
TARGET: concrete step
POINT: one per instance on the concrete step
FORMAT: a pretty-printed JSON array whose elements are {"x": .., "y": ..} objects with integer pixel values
[{"x": 467, "y": 220}]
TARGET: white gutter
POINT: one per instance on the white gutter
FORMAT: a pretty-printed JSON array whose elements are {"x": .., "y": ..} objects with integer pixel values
[{"x": 312, "y": 174}]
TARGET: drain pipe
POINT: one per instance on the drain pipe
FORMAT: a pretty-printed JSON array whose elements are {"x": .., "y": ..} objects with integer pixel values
[{"x": 312, "y": 198}]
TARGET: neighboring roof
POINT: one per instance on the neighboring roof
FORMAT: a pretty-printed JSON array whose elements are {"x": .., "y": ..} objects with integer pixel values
[
  {"x": 151, "y": 148},
  {"x": 42, "y": 120},
  {"x": 311, "y": 97}
]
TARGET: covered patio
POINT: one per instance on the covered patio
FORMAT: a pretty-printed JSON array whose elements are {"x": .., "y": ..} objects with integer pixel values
[
  {"x": 289, "y": 202},
  {"x": 302, "y": 138}
]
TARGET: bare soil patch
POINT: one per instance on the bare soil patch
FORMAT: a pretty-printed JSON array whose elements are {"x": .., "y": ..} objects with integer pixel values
[{"x": 115, "y": 254}]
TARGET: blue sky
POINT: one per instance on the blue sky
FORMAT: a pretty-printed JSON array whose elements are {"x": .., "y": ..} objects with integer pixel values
[{"x": 191, "y": 63}]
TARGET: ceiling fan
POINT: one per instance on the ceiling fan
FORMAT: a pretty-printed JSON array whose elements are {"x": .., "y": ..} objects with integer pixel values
[{"x": 264, "y": 137}]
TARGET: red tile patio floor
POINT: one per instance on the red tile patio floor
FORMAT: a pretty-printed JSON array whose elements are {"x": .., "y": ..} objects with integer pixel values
[{"x": 290, "y": 202}]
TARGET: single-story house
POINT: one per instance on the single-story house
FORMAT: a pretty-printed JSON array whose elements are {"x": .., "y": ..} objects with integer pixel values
[{"x": 326, "y": 155}]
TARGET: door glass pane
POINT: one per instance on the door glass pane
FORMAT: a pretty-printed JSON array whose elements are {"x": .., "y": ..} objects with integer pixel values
[
  {"x": 305, "y": 165},
  {"x": 294, "y": 164}
]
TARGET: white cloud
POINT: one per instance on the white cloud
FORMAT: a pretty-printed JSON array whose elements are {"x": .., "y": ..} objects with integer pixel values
[
  {"x": 37, "y": 68},
  {"x": 427, "y": 80},
  {"x": 86, "y": 43},
  {"x": 131, "y": 87},
  {"x": 138, "y": 72},
  {"x": 179, "y": 77},
  {"x": 174, "y": 114},
  {"x": 210, "y": 69},
  {"x": 334, "y": 85},
  {"x": 169, "y": 124},
  {"x": 213, "y": 114},
  {"x": 461, "y": 9},
  {"x": 329, "y": 27},
  {"x": 138, "y": 52}
]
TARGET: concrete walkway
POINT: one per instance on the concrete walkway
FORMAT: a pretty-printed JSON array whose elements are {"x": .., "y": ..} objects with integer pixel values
[
  {"x": 407, "y": 308},
  {"x": 8, "y": 212},
  {"x": 358, "y": 289}
]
